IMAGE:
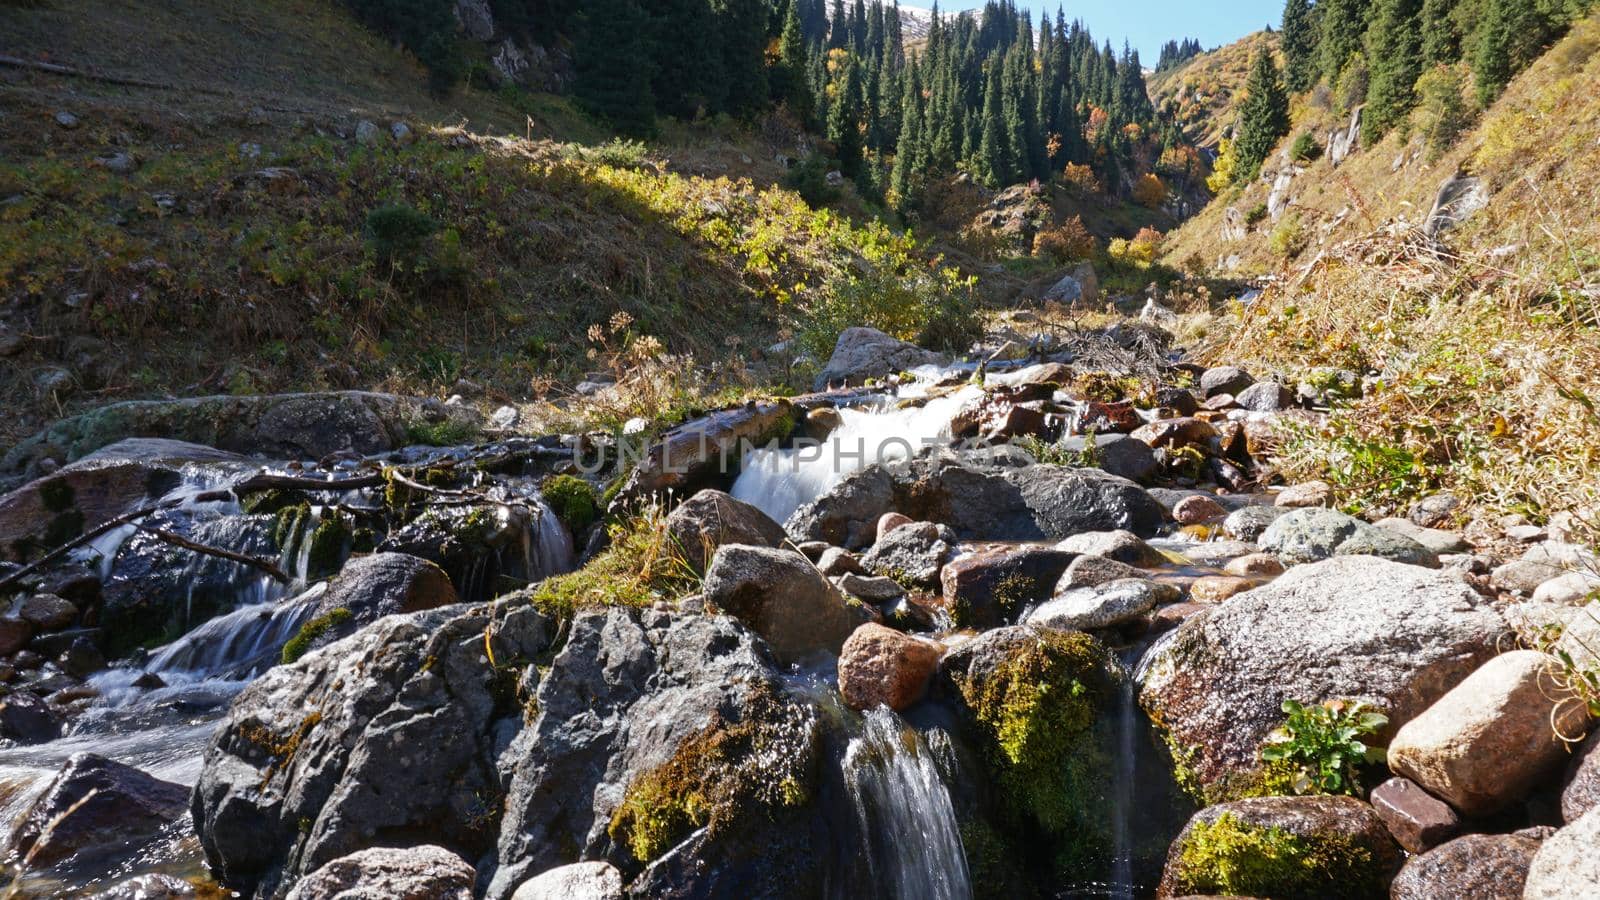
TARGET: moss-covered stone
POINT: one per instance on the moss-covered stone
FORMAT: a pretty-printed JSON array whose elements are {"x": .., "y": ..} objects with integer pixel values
[
  {"x": 57, "y": 495},
  {"x": 310, "y": 631},
  {"x": 1231, "y": 857},
  {"x": 330, "y": 541},
  {"x": 573, "y": 500},
  {"x": 637, "y": 568},
  {"x": 758, "y": 765},
  {"x": 1270, "y": 779},
  {"x": 270, "y": 502}
]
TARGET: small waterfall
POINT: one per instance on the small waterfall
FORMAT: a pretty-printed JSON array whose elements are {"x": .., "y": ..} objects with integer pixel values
[
  {"x": 778, "y": 482},
  {"x": 905, "y": 813},
  {"x": 1124, "y": 778}
]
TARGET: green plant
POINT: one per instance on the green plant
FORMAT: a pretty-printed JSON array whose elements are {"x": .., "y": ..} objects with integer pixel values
[
  {"x": 1305, "y": 148},
  {"x": 1324, "y": 742},
  {"x": 1442, "y": 110},
  {"x": 1288, "y": 239},
  {"x": 619, "y": 152},
  {"x": 1256, "y": 213},
  {"x": 809, "y": 179},
  {"x": 1233, "y": 857},
  {"x": 311, "y": 631},
  {"x": 573, "y": 500},
  {"x": 397, "y": 232}
]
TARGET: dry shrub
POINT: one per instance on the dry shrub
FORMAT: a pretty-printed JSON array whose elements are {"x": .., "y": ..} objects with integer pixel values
[
  {"x": 1067, "y": 242},
  {"x": 1081, "y": 178},
  {"x": 1149, "y": 191}
]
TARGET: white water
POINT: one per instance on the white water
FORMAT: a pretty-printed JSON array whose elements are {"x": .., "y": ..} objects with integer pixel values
[
  {"x": 778, "y": 482},
  {"x": 905, "y": 813}
]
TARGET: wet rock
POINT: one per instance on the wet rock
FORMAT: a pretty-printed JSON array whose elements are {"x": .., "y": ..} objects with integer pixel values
[
  {"x": 1336, "y": 841},
  {"x": 836, "y": 561},
  {"x": 863, "y": 353},
  {"x": 1566, "y": 865},
  {"x": 1195, "y": 510},
  {"x": 47, "y": 612},
  {"x": 1437, "y": 541},
  {"x": 781, "y": 596},
  {"x": 1090, "y": 570},
  {"x": 705, "y": 448},
  {"x": 1475, "y": 867},
  {"x": 1116, "y": 454},
  {"x": 14, "y": 634},
  {"x": 95, "y": 807},
  {"x": 710, "y": 519},
  {"x": 399, "y": 873},
  {"x": 1217, "y": 588},
  {"x": 1248, "y": 522},
  {"x": 371, "y": 587},
  {"x": 1103, "y": 606},
  {"x": 26, "y": 719},
  {"x": 59, "y": 507},
  {"x": 1265, "y": 396},
  {"x": 1224, "y": 380},
  {"x": 912, "y": 554},
  {"x": 82, "y": 658},
  {"x": 149, "y": 887},
  {"x": 395, "y": 730},
  {"x": 1488, "y": 741},
  {"x": 1391, "y": 635},
  {"x": 883, "y": 667},
  {"x": 578, "y": 881},
  {"x": 872, "y": 589},
  {"x": 632, "y": 698},
  {"x": 1418, "y": 820},
  {"x": 1304, "y": 495},
  {"x": 1122, "y": 546},
  {"x": 990, "y": 588},
  {"x": 1254, "y": 565},
  {"x": 1309, "y": 535}
]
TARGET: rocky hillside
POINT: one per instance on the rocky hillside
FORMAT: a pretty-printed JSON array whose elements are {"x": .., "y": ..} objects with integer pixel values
[{"x": 1202, "y": 93}]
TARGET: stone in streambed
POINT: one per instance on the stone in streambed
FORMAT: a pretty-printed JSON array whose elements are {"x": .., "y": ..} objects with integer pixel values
[
  {"x": 1418, "y": 820},
  {"x": 1104, "y": 606},
  {"x": 780, "y": 595},
  {"x": 912, "y": 554},
  {"x": 578, "y": 881},
  {"x": 1309, "y": 535},
  {"x": 880, "y": 666},
  {"x": 393, "y": 873},
  {"x": 95, "y": 806},
  {"x": 1474, "y": 867},
  {"x": 990, "y": 588},
  {"x": 709, "y": 519},
  {"x": 1122, "y": 546}
]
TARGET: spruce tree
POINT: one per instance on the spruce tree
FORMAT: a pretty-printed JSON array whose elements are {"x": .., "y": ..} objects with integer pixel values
[
  {"x": 1263, "y": 116},
  {"x": 741, "y": 35},
  {"x": 1508, "y": 37},
  {"x": 793, "y": 66},
  {"x": 844, "y": 120},
  {"x": 994, "y": 154},
  {"x": 1441, "y": 41},
  {"x": 858, "y": 28},
  {"x": 1394, "y": 54},
  {"x": 909, "y": 159},
  {"x": 613, "y": 69},
  {"x": 1342, "y": 25},
  {"x": 1299, "y": 45},
  {"x": 838, "y": 27},
  {"x": 680, "y": 35}
]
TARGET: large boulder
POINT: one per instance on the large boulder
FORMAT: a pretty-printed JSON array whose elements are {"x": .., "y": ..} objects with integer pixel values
[
  {"x": 371, "y": 587},
  {"x": 95, "y": 807},
  {"x": 393, "y": 732},
  {"x": 579, "y": 881},
  {"x": 666, "y": 742},
  {"x": 1566, "y": 865},
  {"x": 780, "y": 595},
  {"x": 390, "y": 873},
  {"x": 1118, "y": 454},
  {"x": 711, "y": 518},
  {"x": 299, "y": 426},
  {"x": 1102, "y": 606},
  {"x": 1394, "y": 636},
  {"x": 912, "y": 554},
  {"x": 981, "y": 501},
  {"x": 883, "y": 667},
  {"x": 1475, "y": 867},
  {"x": 1283, "y": 847},
  {"x": 863, "y": 353},
  {"x": 1488, "y": 741},
  {"x": 1309, "y": 535},
  {"x": 27, "y": 719}
]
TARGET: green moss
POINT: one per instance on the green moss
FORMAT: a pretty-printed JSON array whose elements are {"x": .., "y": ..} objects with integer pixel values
[
  {"x": 759, "y": 765},
  {"x": 1038, "y": 710},
  {"x": 449, "y": 432},
  {"x": 290, "y": 520},
  {"x": 311, "y": 631},
  {"x": 640, "y": 566},
  {"x": 330, "y": 544},
  {"x": 57, "y": 495},
  {"x": 1272, "y": 779},
  {"x": 270, "y": 502},
  {"x": 573, "y": 500},
  {"x": 1231, "y": 857}
]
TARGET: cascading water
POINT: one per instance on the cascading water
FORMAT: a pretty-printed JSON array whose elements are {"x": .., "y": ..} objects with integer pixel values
[
  {"x": 778, "y": 482},
  {"x": 904, "y": 811}
]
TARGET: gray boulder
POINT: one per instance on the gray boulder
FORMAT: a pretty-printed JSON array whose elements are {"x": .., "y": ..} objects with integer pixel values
[
  {"x": 394, "y": 731},
  {"x": 781, "y": 596},
  {"x": 1309, "y": 535},
  {"x": 1265, "y": 396},
  {"x": 381, "y": 584},
  {"x": 1116, "y": 454},
  {"x": 1122, "y": 546},
  {"x": 1397, "y": 637},
  {"x": 150, "y": 887},
  {"x": 1248, "y": 522},
  {"x": 1474, "y": 867},
  {"x": 912, "y": 554},
  {"x": 579, "y": 881},
  {"x": 1224, "y": 380},
  {"x": 390, "y": 873},
  {"x": 1566, "y": 865},
  {"x": 1103, "y": 606},
  {"x": 709, "y": 519},
  {"x": 863, "y": 353},
  {"x": 991, "y": 587}
]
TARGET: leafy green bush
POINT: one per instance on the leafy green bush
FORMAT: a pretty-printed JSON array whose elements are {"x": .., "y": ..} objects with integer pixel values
[
  {"x": 1305, "y": 148},
  {"x": 1442, "y": 110},
  {"x": 573, "y": 500},
  {"x": 619, "y": 152},
  {"x": 1324, "y": 744},
  {"x": 1288, "y": 239},
  {"x": 809, "y": 179},
  {"x": 398, "y": 232},
  {"x": 1256, "y": 213},
  {"x": 935, "y": 309}
]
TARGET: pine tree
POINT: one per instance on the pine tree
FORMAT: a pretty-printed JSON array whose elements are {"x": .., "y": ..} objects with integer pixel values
[
  {"x": 1299, "y": 45},
  {"x": 994, "y": 154},
  {"x": 838, "y": 27},
  {"x": 844, "y": 120},
  {"x": 741, "y": 35},
  {"x": 909, "y": 156},
  {"x": 1492, "y": 64},
  {"x": 609, "y": 54},
  {"x": 679, "y": 43},
  {"x": 793, "y": 67},
  {"x": 1263, "y": 116},
  {"x": 1394, "y": 54},
  {"x": 1441, "y": 41},
  {"x": 1342, "y": 25},
  {"x": 858, "y": 28}
]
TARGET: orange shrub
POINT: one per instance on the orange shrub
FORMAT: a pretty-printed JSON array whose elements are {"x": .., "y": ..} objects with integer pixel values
[
  {"x": 1149, "y": 191},
  {"x": 1080, "y": 176},
  {"x": 1066, "y": 242}
]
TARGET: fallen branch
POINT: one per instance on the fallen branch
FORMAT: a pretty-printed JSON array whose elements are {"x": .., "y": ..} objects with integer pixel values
[
  {"x": 243, "y": 559},
  {"x": 266, "y": 481},
  {"x": 105, "y": 527}
]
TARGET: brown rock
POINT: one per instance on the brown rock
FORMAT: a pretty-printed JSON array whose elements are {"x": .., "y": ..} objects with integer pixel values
[
  {"x": 881, "y": 666},
  {"x": 1217, "y": 588},
  {"x": 48, "y": 612},
  {"x": 710, "y": 519},
  {"x": 1475, "y": 867},
  {"x": 1195, "y": 510},
  {"x": 991, "y": 587},
  {"x": 836, "y": 561},
  {"x": 1418, "y": 820},
  {"x": 1310, "y": 493},
  {"x": 14, "y": 634},
  {"x": 1185, "y": 431},
  {"x": 1488, "y": 741},
  {"x": 890, "y": 521},
  {"x": 1258, "y": 565}
]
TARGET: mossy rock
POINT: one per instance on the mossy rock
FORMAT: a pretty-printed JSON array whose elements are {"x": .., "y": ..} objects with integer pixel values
[
  {"x": 574, "y": 501},
  {"x": 1317, "y": 848}
]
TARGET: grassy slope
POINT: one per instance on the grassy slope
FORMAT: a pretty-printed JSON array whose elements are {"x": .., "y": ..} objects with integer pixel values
[
  {"x": 1205, "y": 89},
  {"x": 194, "y": 274},
  {"x": 1489, "y": 352}
]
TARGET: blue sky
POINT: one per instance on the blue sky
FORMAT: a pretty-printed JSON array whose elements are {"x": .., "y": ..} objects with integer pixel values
[{"x": 1148, "y": 24}]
